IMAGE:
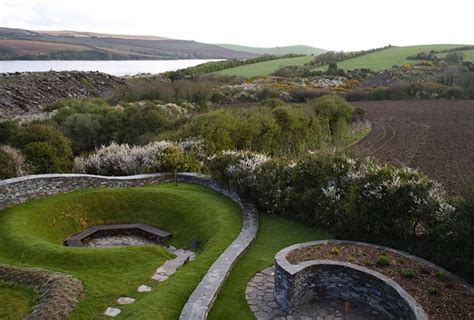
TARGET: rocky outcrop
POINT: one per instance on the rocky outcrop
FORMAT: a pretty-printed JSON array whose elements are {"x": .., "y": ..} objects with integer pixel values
[{"x": 30, "y": 92}]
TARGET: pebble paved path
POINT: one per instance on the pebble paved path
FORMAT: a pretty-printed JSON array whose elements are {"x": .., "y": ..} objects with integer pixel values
[{"x": 259, "y": 294}]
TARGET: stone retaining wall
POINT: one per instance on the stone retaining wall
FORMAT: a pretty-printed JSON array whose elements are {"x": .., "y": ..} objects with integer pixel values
[
  {"x": 19, "y": 190},
  {"x": 298, "y": 284}
]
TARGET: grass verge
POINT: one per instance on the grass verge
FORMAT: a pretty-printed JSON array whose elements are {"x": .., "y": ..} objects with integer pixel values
[
  {"x": 15, "y": 301},
  {"x": 274, "y": 233}
]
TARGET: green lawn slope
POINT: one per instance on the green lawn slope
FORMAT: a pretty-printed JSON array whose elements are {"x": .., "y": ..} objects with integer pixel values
[
  {"x": 264, "y": 68},
  {"x": 306, "y": 50},
  {"x": 31, "y": 235},
  {"x": 16, "y": 301}
]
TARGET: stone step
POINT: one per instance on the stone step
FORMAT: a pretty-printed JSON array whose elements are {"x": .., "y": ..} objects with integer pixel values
[{"x": 112, "y": 312}]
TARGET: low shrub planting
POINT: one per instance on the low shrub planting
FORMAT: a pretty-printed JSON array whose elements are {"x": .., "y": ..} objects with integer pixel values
[
  {"x": 408, "y": 273},
  {"x": 382, "y": 261}
]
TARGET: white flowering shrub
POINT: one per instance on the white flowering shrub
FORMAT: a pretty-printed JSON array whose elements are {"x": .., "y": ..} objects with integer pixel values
[
  {"x": 354, "y": 199},
  {"x": 122, "y": 159},
  {"x": 238, "y": 168}
]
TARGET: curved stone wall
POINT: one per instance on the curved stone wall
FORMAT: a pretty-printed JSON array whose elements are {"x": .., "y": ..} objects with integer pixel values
[
  {"x": 298, "y": 284},
  {"x": 21, "y": 189}
]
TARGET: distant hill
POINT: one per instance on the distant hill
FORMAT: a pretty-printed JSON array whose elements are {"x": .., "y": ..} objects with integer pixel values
[
  {"x": 306, "y": 50},
  {"x": 19, "y": 44},
  {"x": 387, "y": 58}
]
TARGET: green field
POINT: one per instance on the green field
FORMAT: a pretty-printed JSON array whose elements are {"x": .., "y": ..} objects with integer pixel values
[
  {"x": 264, "y": 68},
  {"x": 15, "y": 301},
  {"x": 31, "y": 235},
  {"x": 385, "y": 59},
  {"x": 467, "y": 54},
  {"x": 274, "y": 234},
  {"x": 306, "y": 50}
]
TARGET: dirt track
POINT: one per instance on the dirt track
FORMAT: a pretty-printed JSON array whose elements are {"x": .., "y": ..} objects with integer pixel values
[{"x": 435, "y": 136}]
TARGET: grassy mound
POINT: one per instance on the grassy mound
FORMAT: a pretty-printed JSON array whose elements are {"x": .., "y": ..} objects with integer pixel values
[
  {"x": 274, "y": 234},
  {"x": 264, "y": 68},
  {"x": 15, "y": 301},
  {"x": 31, "y": 235}
]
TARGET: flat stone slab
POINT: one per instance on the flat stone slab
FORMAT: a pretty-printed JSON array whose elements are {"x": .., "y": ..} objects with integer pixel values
[
  {"x": 125, "y": 300},
  {"x": 144, "y": 288},
  {"x": 259, "y": 294},
  {"x": 171, "y": 266},
  {"x": 112, "y": 312}
]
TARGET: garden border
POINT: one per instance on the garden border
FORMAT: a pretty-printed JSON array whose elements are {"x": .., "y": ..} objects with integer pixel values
[
  {"x": 18, "y": 190},
  {"x": 291, "y": 270}
]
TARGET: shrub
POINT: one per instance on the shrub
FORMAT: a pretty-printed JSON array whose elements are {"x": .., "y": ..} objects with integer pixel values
[
  {"x": 408, "y": 273},
  {"x": 44, "y": 158},
  {"x": 301, "y": 95},
  {"x": 18, "y": 159},
  {"x": 8, "y": 130},
  {"x": 335, "y": 251},
  {"x": 173, "y": 159},
  {"x": 337, "y": 111},
  {"x": 379, "y": 93},
  {"x": 56, "y": 155},
  {"x": 7, "y": 165},
  {"x": 433, "y": 291},
  {"x": 382, "y": 261},
  {"x": 216, "y": 128},
  {"x": 454, "y": 93},
  {"x": 441, "y": 275},
  {"x": 272, "y": 103}
]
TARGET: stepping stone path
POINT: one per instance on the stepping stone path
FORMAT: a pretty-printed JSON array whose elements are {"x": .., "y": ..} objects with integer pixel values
[
  {"x": 259, "y": 294},
  {"x": 144, "y": 288},
  {"x": 170, "y": 266},
  {"x": 125, "y": 300},
  {"x": 161, "y": 274},
  {"x": 112, "y": 312}
]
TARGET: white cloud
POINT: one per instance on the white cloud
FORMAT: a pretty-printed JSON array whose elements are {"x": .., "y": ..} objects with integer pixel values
[{"x": 343, "y": 24}]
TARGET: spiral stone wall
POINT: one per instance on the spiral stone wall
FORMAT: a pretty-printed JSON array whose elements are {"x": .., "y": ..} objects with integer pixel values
[{"x": 18, "y": 190}]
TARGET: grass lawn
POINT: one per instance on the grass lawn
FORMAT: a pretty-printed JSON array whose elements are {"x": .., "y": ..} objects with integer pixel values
[
  {"x": 385, "y": 59},
  {"x": 274, "y": 234},
  {"x": 15, "y": 301},
  {"x": 264, "y": 68},
  {"x": 31, "y": 234}
]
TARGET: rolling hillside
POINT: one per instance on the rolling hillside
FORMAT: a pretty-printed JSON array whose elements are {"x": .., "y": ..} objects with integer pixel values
[
  {"x": 279, "y": 51},
  {"x": 18, "y": 44},
  {"x": 387, "y": 58},
  {"x": 264, "y": 68}
]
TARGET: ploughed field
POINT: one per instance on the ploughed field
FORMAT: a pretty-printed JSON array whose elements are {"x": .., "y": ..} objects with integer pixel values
[{"x": 435, "y": 136}]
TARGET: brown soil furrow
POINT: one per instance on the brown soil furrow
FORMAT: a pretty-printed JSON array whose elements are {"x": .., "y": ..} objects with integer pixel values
[{"x": 435, "y": 136}]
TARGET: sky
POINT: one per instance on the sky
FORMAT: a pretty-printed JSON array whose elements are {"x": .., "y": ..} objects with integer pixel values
[{"x": 335, "y": 25}]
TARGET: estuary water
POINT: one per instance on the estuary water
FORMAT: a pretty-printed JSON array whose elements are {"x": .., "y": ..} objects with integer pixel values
[{"x": 116, "y": 68}]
